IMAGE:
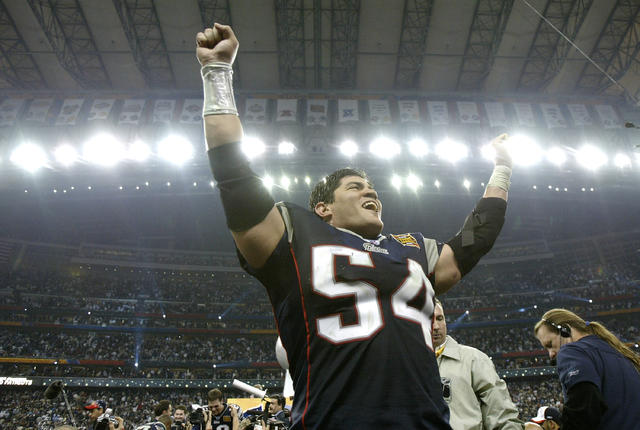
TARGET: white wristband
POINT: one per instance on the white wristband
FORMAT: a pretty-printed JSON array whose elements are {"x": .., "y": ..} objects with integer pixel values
[
  {"x": 217, "y": 82},
  {"x": 500, "y": 177}
]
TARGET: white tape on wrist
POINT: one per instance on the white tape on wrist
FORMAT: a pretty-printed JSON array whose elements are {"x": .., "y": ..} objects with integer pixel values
[
  {"x": 501, "y": 177},
  {"x": 217, "y": 83}
]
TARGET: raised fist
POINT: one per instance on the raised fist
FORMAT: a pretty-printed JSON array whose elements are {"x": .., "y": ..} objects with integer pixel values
[
  {"x": 502, "y": 157},
  {"x": 216, "y": 44}
]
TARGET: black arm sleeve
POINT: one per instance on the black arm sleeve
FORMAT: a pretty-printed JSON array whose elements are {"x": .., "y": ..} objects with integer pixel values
[
  {"x": 479, "y": 232},
  {"x": 246, "y": 201},
  {"x": 584, "y": 407}
]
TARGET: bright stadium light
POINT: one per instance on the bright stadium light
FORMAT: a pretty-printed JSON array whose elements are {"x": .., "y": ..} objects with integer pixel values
[
  {"x": 418, "y": 147},
  {"x": 29, "y": 157},
  {"x": 413, "y": 182},
  {"x": 175, "y": 149},
  {"x": 286, "y": 148},
  {"x": 66, "y": 154},
  {"x": 466, "y": 183},
  {"x": 524, "y": 150},
  {"x": 139, "y": 151},
  {"x": 103, "y": 149},
  {"x": 488, "y": 152},
  {"x": 591, "y": 158},
  {"x": 396, "y": 182},
  {"x": 252, "y": 147},
  {"x": 384, "y": 147},
  {"x": 622, "y": 161},
  {"x": 451, "y": 151},
  {"x": 285, "y": 182},
  {"x": 557, "y": 156},
  {"x": 307, "y": 180},
  {"x": 268, "y": 182},
  {"x": 349, "y": 148},
  {"x": 436, "y": 183}
]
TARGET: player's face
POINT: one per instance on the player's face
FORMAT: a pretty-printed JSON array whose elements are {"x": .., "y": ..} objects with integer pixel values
[
  {"x": 179, "y": 415},
  {"x": 439, "y": 326},
  {"x": 550, "y": 340},
  {"x": 355, "y": 207},
  {"x": 216, "y": 407}
]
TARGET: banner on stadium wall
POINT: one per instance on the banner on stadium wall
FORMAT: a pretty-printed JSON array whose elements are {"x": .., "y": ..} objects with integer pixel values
[
  {"x": 409, "y": 110},
  {"x": 287, "y": 110},
  {"x": 38, "y": 110},
  {"x": 552, "y": 115},
  {"x": 163, "y": 110},
  {"x": 524, "y": 113},
  {"x": 348, "y": 110},
  {"x": 468, "y": 112},
  {"x": 608, "y": 116},
  {"x": 131, "y": 111},
  {"x": 100, "y": 109},
  {"x": 9, "y": 110},
  {"x": 191, "y": 111},
  {"x": 69, "y": 112},
  {"x": 255, "y": 111},
  {"x": 496, "y": 114},
  {"x": 580, "y": 115},
  {"x": 438, "y": 112},
  {"x": 317, "y": 111},
  {"x": 379, "y": 113}
]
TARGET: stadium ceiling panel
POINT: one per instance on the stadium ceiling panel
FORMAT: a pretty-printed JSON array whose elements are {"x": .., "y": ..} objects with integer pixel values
[
  {"x": 345, "y": 22},
  {"x": 290, "y": 25},
  {"x": 549, "y": 49},
  {"x": 17, "y": 68},
  {"x": 446, "y": 42},
  {"x": 142, "y": 27},
  {"x": 487, "y": 28},
  {"x": 617, "y": 48},
  {"x": 380, "y": 26},
  {"x": 413, "y": 40},
  {"x": 351, "y": 46},
  {"x": 66, "y": 28}
]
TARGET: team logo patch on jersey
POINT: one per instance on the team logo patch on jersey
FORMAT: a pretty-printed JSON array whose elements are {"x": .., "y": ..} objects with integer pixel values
[
  {"x": 372, "y": 248},
  {"x": 406, "y": 240}
]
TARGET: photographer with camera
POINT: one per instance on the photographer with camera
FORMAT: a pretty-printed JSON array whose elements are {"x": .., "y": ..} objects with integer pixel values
[
  {"x": 217, "y": 415},
  {"x": 180, "y": 421},
  {"x": 278, "y": 419},
  {"x": 102, "y": 418}
]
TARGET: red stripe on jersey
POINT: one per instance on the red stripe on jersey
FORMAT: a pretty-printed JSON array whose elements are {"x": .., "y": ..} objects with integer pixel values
[{"x": 306, "y": 326}]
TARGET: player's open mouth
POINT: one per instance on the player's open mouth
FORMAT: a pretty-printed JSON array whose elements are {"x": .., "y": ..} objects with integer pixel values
[{"x": 370, "y": 205}]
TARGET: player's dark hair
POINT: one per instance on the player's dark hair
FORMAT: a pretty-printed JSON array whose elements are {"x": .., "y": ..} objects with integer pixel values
[
  {"x": 163, "y": 405},
  {"x": 324, "y": 190},
  {"x": 214, "y": 394},
  {"x": 182, "y": 408}
]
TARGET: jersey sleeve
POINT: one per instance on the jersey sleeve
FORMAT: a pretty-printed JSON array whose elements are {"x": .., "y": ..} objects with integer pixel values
[
  {"x": 432, "y": 249},
  {"x": 574, "y": 366}
]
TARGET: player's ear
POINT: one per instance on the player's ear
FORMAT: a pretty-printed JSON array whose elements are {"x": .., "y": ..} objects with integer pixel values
[{"x": 323, "y": 210}]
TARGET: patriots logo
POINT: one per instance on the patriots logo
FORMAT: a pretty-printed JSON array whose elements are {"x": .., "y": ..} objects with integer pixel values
[{"x": 406, "y": 240}]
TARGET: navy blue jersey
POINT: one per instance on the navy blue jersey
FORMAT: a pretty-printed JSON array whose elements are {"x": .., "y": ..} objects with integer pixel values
[
  {"x": 224, "y": 421},
  {"x": 355, "y": 317},
  {"x": 591, "y": 359}
]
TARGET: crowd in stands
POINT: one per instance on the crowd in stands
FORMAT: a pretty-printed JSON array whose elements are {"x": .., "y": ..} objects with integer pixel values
[{"x": 25, "y": 408}]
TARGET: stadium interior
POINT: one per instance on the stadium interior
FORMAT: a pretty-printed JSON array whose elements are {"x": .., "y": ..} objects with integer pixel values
[{"x": 117, "y": 273}]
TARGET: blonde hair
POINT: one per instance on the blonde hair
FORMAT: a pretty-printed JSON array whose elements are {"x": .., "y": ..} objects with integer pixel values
[{"x": 557, "y": 318}]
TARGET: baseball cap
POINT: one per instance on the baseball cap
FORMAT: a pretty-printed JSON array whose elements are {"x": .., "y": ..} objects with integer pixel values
[
  {"x": 97, "y": 404},
  {"x": 547, "y": 413}
]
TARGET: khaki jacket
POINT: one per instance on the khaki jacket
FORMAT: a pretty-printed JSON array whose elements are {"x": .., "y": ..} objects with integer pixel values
[{"x": 478, "y": 399}]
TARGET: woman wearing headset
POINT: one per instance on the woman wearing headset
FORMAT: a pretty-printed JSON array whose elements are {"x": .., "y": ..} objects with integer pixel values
[{"x": 600, "y": 375}]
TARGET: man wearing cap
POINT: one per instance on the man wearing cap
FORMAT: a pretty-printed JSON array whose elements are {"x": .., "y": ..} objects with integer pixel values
[
  {"x": 478, "y": 399},
  {"x": 548, "y": 418},
  {"x": 97, "y": 408}
]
